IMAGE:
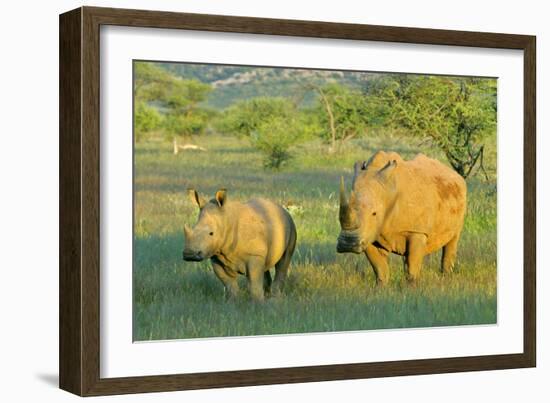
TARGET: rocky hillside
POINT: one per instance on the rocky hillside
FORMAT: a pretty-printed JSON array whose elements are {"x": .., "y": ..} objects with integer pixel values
[{"x": 234, "y": 83}]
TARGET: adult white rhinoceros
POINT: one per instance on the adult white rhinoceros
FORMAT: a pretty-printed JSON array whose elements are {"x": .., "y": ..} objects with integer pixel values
[{"x": 411, "y": 208}]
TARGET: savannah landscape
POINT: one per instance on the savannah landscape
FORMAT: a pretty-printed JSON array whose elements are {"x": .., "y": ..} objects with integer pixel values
[{"x": 262, "y": 133}]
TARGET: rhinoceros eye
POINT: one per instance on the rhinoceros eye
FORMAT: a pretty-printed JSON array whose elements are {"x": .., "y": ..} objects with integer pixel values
[{"x": 211, "y": 233}]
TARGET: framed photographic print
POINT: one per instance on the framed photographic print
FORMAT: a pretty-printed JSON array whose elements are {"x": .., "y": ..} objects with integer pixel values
[{"x": 249, "y": 201}]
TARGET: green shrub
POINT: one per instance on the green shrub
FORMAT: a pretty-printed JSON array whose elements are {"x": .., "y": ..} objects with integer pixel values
[
  {"x": 274, "y": 138},
  {"x": 146, "y": 120},
  {"x": 244, "y": 117}
]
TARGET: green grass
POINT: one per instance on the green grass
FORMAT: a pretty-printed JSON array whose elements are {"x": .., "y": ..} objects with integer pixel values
[{"x": 326, "y": 291}]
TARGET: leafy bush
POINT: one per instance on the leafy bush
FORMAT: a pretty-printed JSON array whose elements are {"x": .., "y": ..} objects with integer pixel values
[
  {"x": 273, "y": 126},
  {"x": 181, "y": 125},
  {"x": 244, "y": 117},
  {"x": 310, "y": 124},
  {"x": 146, "y": 120},
  {"x": 186, "y": 124},
  {"x": 274, "y": 138}
]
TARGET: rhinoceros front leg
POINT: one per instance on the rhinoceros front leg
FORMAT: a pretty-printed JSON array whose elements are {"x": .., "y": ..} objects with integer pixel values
[
  {"x": 228, "y": 279},
  {"x": 416, "y": 250},
  {"x": 378, "y": 259},
  {"x": 255, "y": 272}
]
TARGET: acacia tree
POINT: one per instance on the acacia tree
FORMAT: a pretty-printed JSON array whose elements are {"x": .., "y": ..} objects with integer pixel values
[
  {"x": 178, "y": 99},
  {"x": 343, "y": 111},
  {"x": 149, "y": 81},
  {"x": 455, "y": 114},
  {"x": 183, "y": 116}
]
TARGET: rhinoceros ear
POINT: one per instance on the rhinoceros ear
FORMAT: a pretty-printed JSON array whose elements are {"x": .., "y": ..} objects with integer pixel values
[
  {"x": 387, "y": 171},
  {"x": 221, "y": 197},
  {"x": 196, "y": 197},
  {"x": 358, "y": 167}
]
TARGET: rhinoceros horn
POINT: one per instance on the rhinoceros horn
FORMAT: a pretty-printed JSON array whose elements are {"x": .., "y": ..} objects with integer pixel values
[
  {"x": 186, "y": 231},
  {"x": 347, "y": 216}
]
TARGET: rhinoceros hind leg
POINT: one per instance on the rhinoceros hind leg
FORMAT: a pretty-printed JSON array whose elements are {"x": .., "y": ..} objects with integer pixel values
[
  {"x": 281, "y": 273},
  {"x": 448, "y": 257},
  {"x": 267, "y": 283},
  {"x": 282, "y": 267},
  {"x": 416, "y": 250},
  {"x": 378, "y": 259}
]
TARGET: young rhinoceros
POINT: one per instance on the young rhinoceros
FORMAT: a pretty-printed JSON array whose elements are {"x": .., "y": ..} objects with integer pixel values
[
  {"x": 242, "y": 238},
  {"x": 411, "y": 208}
]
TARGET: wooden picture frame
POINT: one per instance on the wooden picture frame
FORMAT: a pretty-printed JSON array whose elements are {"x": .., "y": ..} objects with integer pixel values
[{"x": 79, "y": 280}]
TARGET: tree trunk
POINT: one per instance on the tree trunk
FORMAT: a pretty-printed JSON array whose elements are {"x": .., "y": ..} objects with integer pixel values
[{"x": 330, "y": 119}]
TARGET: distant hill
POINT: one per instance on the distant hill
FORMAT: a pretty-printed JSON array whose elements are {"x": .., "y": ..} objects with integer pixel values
[{"x": 234, "y": 83}]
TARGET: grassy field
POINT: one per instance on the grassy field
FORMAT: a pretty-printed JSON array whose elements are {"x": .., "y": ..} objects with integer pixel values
[{"x": 326, "y": 291}]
